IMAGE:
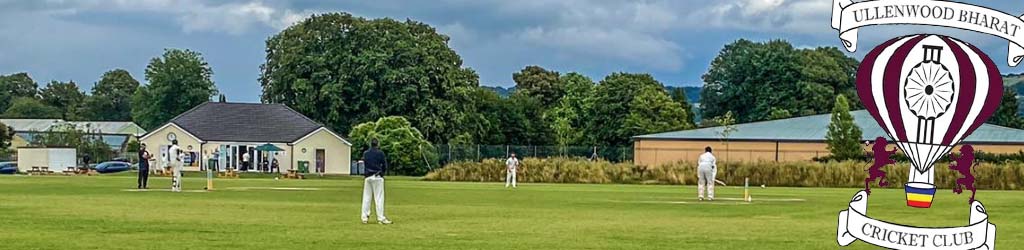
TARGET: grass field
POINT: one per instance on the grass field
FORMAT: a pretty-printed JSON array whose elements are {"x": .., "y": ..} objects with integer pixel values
[{"x": 81, "y": 212}]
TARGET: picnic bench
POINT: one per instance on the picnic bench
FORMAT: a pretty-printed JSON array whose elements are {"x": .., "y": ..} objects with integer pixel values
[
  {"x": 40, "y": 170},
  {"x": 166, "y": 171},
  {"x": 70, "y": 171},
  {"x": 87, "y": 171},
  {"x": 228, "y": 174},
  {"x": 293, "y": 174}
]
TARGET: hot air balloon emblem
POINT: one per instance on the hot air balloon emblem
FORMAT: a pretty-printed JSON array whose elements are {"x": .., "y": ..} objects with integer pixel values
[{"x": 928, "y": 92}]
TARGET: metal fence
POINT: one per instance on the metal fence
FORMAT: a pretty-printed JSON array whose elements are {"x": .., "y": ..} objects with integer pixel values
[
  {"x": 670, "y": 155},
  {"x": 451, "y": 153}
]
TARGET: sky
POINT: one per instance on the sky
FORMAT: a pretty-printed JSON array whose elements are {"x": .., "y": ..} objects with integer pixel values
[{"x": 672, "y": 40}]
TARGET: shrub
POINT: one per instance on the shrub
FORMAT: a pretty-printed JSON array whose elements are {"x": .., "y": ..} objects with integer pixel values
[
  {"x": 843, "y": 135},
  {"x": 408, "y": 152},
  {"x": 790, "y": 174},
  {"x": 979, "y": 156}
]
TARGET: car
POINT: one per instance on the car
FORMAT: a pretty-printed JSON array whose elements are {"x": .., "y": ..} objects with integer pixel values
[
  {"x": 113, "y": 167},
  {"x": 8, "y": 167}
]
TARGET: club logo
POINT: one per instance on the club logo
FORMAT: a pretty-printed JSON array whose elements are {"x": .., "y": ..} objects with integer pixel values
[{"x": 928, "y": 92}]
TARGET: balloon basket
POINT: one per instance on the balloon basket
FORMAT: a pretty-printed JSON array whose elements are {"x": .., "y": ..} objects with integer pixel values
[{"x": 919, "y": 194}]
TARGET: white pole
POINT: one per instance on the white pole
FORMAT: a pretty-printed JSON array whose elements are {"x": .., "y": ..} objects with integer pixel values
[{"x": 746, "y": 189}]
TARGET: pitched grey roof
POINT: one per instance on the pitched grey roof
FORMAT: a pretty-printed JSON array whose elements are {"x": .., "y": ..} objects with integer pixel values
[
  {"x": 813, "y": 128},
  {"x": 245, "y": 122},
  {"x": 102, "y": 127},
  {"x": 110, "y": 127},
  {"x": 30, "y": 124}
]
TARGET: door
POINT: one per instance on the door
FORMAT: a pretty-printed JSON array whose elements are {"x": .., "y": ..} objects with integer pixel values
[
  {"x": 222, "y": 158},
  {"x": 250, "y": 162},
  {"x": 254, "y": 161},
  {"x": 320, "y": 160},
  {"x": 164, "y": 156},
  {"x": 232, "y": 155}
]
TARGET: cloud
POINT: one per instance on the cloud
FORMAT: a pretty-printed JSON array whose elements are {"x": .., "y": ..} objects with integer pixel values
[
  {"x": 787, "y": 16},
  {"x": 232, "y": 17},
  {"x": 608, "y": 44},
  {"x": 465, "y": 35},
  {"x": 634, "y": 33}
]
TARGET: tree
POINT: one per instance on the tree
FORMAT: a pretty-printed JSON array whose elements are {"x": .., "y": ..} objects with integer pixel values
[
  {"x": 485, "y": 125},
  {"x": 31, "y": 108},
  {"x": 727, "y": 122},
  {"x": 6, "y": 137},
  {"x": 679, "y": 95},
  {"x": 540, "y": 83},
  {"x": 751, "y": 79},
  {"x": 14, "y": 86},
  {"x": 778, "y": 113},
  {"x": 524, "y": 123},
  {"x": 84, "y": 141},
  {"x": 510, "y": 120},
  {"x": 653, "y": 111},
  {"x": 568, "y": 118},
  {"x": 112, "y": 96},
  {"x": 827, "y": 72},
  {"x": 616, "y": 115},
  {"x": 132, "y": 146},
  {"x": 178, "y": 81},
  {"x": 342, "y": 70},
  {"x": 843, "y": 136},
  {"x": 1007, "y": 114},
  {"x": 407, "y": 151},
  {"x": 65, "y": 96}
]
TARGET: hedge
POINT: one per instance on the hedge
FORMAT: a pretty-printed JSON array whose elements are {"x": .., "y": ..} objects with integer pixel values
[{"x": 790, "y": 174}]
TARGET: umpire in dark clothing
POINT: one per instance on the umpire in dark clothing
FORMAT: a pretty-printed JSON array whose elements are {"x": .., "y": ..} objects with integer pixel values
[
  {"x": 144, "y": 157},
  {"x": 376, "y": 164},
  {"x": 374, "y": 161}
]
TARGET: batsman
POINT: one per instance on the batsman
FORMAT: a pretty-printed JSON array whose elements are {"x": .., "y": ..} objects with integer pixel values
[
  {"x": 706, "y": 170},
  {"x": 174, "y": 153}
]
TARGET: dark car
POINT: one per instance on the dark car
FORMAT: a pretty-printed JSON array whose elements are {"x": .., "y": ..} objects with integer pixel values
[
  {"x": 113, "y": 167},
  {"x": 8, "y": 167}
]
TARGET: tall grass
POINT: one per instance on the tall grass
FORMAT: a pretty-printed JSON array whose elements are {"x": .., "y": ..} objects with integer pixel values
[{"x": 1008, "y": 175}]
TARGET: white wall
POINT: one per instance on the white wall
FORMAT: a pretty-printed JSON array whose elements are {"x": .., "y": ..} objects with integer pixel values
[
  {"x": 57, "y": 159},
  {"x": 338, "y": 154}
]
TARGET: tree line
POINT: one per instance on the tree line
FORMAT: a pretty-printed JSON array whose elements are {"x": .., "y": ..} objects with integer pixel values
[
  {"x": 109, "y": 100},
  {"x": 343, "y": 70},
  {"x": 177, "y": 81}
]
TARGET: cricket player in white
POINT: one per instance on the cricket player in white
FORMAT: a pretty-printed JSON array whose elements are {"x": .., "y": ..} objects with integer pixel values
[
  {"x": 706, "y": 169},
  {"x": 510, "y": 170},
  {"x": 174, "y": 153}
]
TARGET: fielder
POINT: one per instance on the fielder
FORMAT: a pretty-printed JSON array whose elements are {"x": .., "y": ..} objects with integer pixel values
[
  {"x": 174, "y": 153},
  {"x": 511, "y": 164},
  {"x": 706, "y": 170},
  {"x": 376, "y": 164}
]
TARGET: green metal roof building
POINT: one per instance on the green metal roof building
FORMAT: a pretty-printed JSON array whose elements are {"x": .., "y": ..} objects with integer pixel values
[{"x": 799, "y": 138}]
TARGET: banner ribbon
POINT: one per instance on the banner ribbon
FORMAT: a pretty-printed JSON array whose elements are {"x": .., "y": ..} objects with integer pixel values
[
  {"x": 854, "y": 224},
  {"x": 848, "y": 16}
]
